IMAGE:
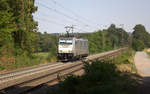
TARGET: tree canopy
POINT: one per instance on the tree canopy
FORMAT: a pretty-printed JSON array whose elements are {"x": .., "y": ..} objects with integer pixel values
[
  {"x": 17, "y": 26},
  {"x": 140, "y": 36}
]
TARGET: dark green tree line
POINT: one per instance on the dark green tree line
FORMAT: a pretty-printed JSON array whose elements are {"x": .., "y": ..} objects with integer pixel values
[{"x": 108, "y": 39}]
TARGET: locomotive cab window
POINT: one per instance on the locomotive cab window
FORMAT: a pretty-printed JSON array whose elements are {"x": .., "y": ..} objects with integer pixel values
[{"x": 65, "y": 43}]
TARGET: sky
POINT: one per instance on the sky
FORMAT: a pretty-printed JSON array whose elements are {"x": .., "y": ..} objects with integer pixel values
[{"x": 91, "y": 15}]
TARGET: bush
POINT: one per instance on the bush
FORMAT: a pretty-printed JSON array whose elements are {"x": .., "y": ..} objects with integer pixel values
[
  {"x": 101, "y": 77},
  {"x": 138, "y": 45}
]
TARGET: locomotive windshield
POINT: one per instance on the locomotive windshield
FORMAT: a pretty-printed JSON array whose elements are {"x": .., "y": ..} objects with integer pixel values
[{"x": 65, "y": 41}]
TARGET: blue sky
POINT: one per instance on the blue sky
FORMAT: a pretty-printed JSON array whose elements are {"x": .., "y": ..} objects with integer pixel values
[{"x": 91, "y": 15}]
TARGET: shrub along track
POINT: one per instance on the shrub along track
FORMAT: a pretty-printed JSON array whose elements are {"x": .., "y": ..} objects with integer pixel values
[{"x": 21, "y": 81}]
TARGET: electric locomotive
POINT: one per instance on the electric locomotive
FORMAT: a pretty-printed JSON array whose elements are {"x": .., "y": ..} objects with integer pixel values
[{"x": 71, "y": 48}]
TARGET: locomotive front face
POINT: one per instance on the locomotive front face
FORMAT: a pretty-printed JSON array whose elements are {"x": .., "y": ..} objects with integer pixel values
[{"x": 65, "y": 45}]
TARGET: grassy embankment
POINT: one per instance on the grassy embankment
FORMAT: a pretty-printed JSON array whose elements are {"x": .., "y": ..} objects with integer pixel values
[
  {"x": 147, "y": 52},
  {"x": 116, "y": 76},
  {"x": 11, "y": 63}
]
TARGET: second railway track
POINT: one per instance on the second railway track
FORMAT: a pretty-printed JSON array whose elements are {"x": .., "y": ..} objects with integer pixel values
[
  {"x": 26, "y": 71},
  {"x": 31, "y": 77}
]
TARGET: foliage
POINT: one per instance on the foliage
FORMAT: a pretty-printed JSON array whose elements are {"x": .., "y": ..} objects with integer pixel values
[
  {"x": 140, "y": 38},
  {"x": 42, "y": 54},
  {"x": 101, "y": 77},
  {"x": 11, "y": 63},
  {"x": 138, "y": 45},
  {"x": 18, "y": 37},
  {"x": 17, "y": 27},
  {"x": 125, "y": 61},
  {"x": 104, "y": 40},
  {"x": 47, "y": 42},
  {"x": 148, "y": 53}
]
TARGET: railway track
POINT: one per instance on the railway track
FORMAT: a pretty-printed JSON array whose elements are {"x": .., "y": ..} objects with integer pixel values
[{"x": 20, "y": 81}]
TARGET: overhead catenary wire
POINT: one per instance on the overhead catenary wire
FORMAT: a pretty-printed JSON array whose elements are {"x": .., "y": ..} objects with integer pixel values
[
  {"x": 46, "y": 15},
  {"x": 59, "y": 12},
  {"x": 60, "y": 24},
  {"x": 51, "y": 21},
  {"x": 62, "y": 20},
  {"x": 63, "y": 14},
  {"x": 75, "y": 14}
]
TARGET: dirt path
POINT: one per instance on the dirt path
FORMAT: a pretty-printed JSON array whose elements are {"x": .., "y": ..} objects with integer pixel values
[{"x": 142, "y": 62}]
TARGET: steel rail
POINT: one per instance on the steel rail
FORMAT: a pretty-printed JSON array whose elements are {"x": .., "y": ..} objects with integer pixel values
[
  {"x": 22, "y": 72},
  {"x": 26, "y": 77}
]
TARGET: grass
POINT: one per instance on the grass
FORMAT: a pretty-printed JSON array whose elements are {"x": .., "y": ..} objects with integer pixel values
[
  {"x": 11, "y": 63},
  {"x": 43, "y": 55},
  {"x": 125, "y": 61},
  {"x": 116, "y": 76},
  {"x": 19, "y": 62},
  {"x": 148, "y": 53}
]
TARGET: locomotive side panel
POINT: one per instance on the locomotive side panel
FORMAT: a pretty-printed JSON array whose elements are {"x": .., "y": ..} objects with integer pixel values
[{"x": 81, "y": 47}]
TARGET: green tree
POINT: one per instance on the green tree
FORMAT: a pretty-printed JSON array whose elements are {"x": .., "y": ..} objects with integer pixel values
[
  {"x": 138, "y": 45},
  {"x": 107, "y": 39},
  {"x": 117, "y": 36},
  {"x": 17, "y": 26},
  {"x": 6, "y": 28},
  {"x": 141, "y": 34}
]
